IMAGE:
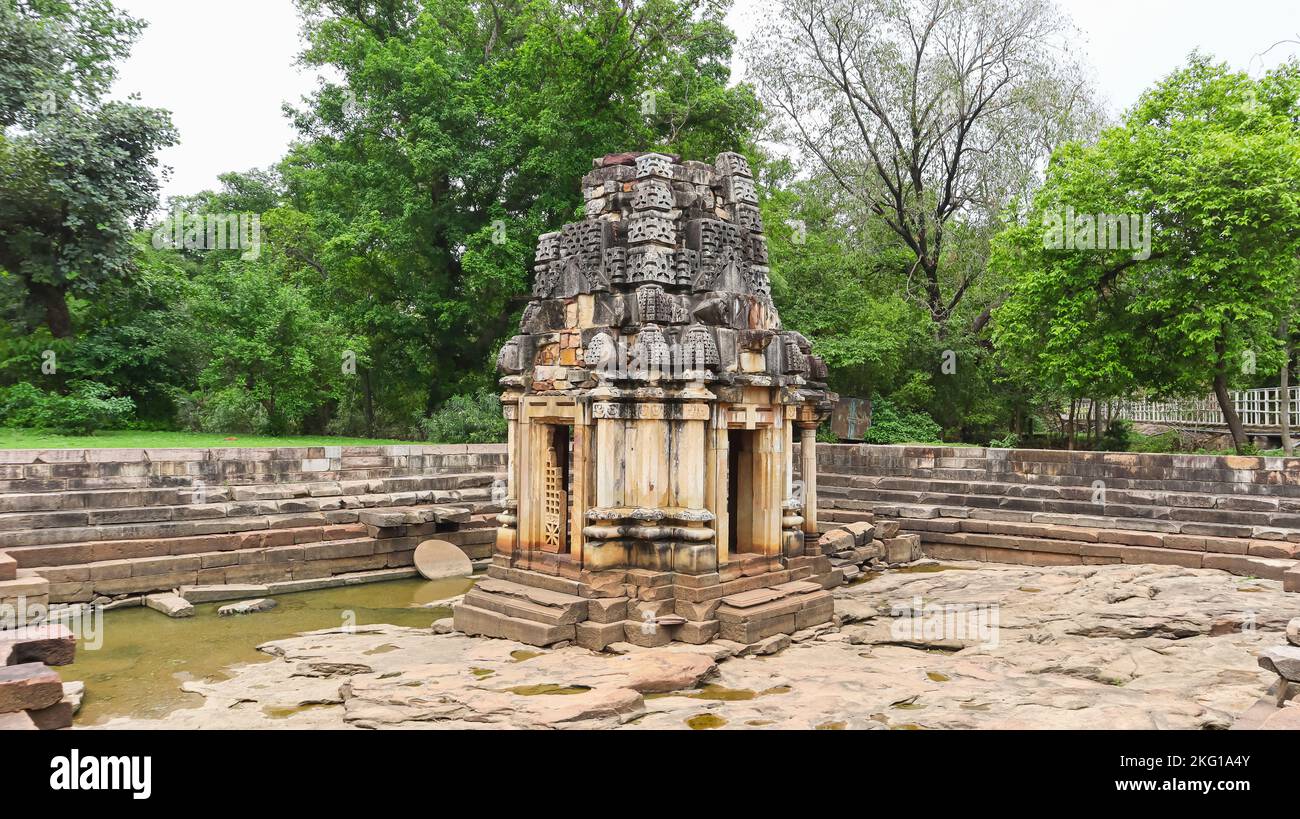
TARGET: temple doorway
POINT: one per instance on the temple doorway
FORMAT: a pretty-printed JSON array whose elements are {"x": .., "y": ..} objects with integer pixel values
[{"x": 740, "y": 490}]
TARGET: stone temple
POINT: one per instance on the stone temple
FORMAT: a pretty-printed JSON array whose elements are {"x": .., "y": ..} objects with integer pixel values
[{"x": 653, "y": 402}]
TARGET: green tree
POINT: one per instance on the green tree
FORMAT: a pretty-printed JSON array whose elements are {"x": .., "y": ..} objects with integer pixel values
[
  {"x": 267, "y": 345},
  {"x": 457, "y": 133},
  {"x": 76, "y": 172},
  {"x": 1212, "y": 157}
]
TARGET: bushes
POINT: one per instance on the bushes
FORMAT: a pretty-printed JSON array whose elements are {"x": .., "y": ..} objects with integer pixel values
[
  {"x": 231, "y": 409},
  {"x": 1009, "y": 441},
  {"x": 467, "y": 419},
  {"x": 86, "y": 407},
  {"x": 1118, "y": 436},
  {"x": 893, "y": 425}
]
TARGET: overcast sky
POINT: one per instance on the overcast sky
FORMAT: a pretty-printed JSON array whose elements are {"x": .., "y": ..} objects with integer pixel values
[{"x": 224, "y": 71}]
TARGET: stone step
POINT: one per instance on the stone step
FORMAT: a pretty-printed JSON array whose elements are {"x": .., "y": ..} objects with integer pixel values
[
  {"x": 397, "y": 516},
  {"x": 481, "y": 622},
  {"x": 476, "y": 484},
  {"x": 570, "y": 608},
  {"x": 1210, "y": 482},
  {"x": 76, "y": 554},
  {"x": 8, "y": 567},
  {"x": 1187, "y": 527},
  {"x": 171, "y": 529},
  {"x": 755, "y": 597},
  {"x": 524, "y": 609},
  {"x": 257, "y": 566},
  {"x": 46, "y": 470},
  {"x": 52, "y": 547},
  {"x": 477, "y": 500},
  {"x": 27, "y": 585},
  {"x": 1159, "y": 495},
  {"x": 786, "y": 615},
  {"x": 1091, "y": 529},
  {"x": 1002, "y": 548},
  {"x": 882, "y": 499},
  {"x": 553, "y": 583}
]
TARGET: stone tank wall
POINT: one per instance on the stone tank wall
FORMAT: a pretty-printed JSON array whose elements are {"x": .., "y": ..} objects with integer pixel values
[
  {"x": 1049, "y": 507},
  {"x": 78, "y": 525}
]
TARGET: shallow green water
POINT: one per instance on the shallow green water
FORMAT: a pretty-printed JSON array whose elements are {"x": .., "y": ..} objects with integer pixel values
[{"x": 145, "y": 655}]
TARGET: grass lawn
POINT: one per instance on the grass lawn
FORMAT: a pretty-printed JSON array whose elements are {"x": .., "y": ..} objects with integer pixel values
[{"x": 11, "y": 438}]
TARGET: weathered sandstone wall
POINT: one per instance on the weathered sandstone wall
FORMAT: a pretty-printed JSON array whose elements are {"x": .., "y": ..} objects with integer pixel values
[
  {"x": 82, "y": 524},
  {"x": 1048, "y": 507}
]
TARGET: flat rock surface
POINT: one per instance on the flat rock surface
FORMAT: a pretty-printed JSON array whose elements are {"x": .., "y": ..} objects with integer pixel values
[{"x": 969, "y": 646}]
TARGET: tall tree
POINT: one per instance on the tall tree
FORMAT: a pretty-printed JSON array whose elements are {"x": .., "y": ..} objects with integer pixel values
[
  {"x": 1211, "y": 158},
  {"x": 76, "y": 173},
  {"x": 456, "y": 132},
  {"x": 930, "y": 115}
]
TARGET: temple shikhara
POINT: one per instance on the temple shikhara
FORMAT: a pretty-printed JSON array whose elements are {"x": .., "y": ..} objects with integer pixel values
[{"x": 654, "y": 401}]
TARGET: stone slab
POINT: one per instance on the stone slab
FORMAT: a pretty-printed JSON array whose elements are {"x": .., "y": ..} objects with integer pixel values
[
  {"x": 28, "y": 686},
  {"x": 479, "y": 622},
  {"x": 438, "y": 559},
  {"x": 50, "y": 644},
  {"x": 225, "y": 591},
  {"x": 172, "y": 605}
]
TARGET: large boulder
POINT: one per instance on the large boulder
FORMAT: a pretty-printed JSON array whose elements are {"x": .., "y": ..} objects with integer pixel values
[{"x": 1283, "y": 661}]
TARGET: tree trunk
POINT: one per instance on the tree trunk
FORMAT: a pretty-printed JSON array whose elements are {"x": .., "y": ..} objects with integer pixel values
[
  {"x": 370, "y": 405},
  {"x": 1069, "y": 425},
  {"x": 1225, "y": 399},
  {"x": 1284, "y": 388},
  {"x": 55, "y": 303}
]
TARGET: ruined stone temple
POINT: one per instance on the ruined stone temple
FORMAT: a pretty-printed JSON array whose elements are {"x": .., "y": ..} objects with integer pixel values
[{"x": 653, "y": 401}]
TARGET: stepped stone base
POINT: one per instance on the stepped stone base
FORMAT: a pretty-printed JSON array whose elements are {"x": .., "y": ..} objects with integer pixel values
[{"x": 555, "y": 602}]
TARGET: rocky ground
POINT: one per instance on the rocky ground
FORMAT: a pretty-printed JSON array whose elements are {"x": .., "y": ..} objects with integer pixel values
[{"x": 969, "y": 646}]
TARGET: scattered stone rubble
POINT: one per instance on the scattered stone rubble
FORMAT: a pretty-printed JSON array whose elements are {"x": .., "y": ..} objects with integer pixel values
[
  {"x": 32, "y": 696},
  {"x": 867, "y": 545}
]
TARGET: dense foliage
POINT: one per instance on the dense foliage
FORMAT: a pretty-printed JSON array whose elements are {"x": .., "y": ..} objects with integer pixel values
[
  {"x": 1212, "y": 158},
  {"x": 373, "y": 272}
]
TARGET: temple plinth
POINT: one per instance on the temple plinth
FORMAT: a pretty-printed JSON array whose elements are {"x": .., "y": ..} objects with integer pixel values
[{"x": 653, "y": 401}]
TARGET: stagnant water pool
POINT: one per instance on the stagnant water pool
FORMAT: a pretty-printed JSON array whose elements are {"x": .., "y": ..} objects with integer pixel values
[{"x": 144, "y": 656}]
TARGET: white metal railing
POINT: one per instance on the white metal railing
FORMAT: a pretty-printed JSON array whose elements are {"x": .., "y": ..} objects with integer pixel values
[{"x": 1256, "y": 408}]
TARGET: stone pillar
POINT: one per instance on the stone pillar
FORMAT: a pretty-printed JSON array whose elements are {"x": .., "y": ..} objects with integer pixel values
[
  {"x": 808, "y": 466},
  {"x": 716, "y": 479},
  {"x": 765, "y": 496},
  {"x": 580, "y": 471},
  {"x": 508, "y": 532}
]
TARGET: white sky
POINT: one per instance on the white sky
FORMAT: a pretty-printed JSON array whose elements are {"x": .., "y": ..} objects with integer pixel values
[{"x": 225, "y": 70}]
